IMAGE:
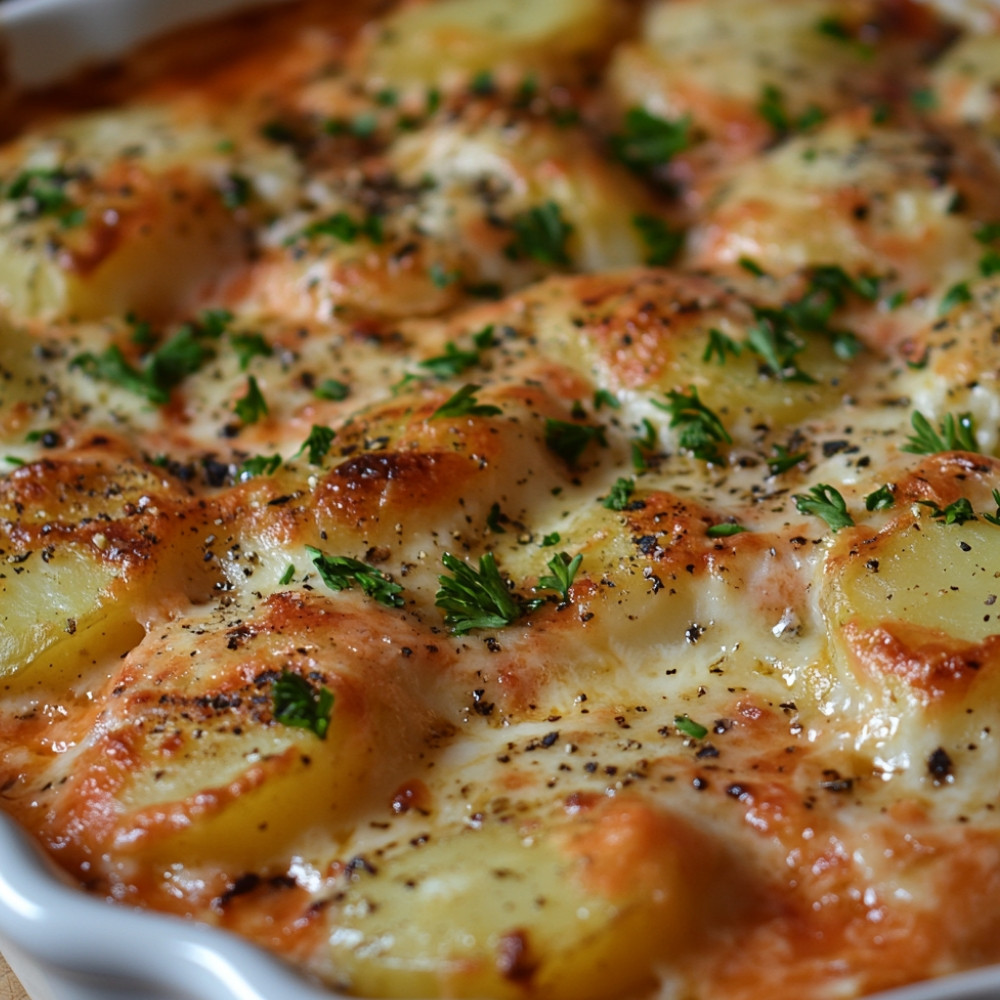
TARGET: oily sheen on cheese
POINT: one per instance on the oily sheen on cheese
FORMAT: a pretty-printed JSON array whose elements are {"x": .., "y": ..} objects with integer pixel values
[{"x": 502, "y": 500}]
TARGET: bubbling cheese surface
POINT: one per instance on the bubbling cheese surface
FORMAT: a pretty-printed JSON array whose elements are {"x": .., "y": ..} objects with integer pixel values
[{"x": 503, "y": 500}]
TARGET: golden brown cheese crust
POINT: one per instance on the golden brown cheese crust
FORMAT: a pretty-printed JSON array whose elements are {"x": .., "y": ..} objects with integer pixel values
[{"x": 502, "y": 499}]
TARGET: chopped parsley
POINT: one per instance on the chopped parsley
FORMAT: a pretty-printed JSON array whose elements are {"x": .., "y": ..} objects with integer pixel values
[
  {"x": 440, "y": 277},
  {"x": 725, "y": 529},
  {"x": 957, "y": 512},
  {"x": 988, "y": 232},
  {"x": 343, "y": 227},
  {"x": 453, "y": 362},
  {"x": 620, "y": 494},
  {"x": 772, "y": 339},
  {"x": 994, "y": 518},
  {"x": 989, "y": 263},
  {"x": 648, "y": 141},
  {"x": 332, "y": 389},
  {"x": 719, "y": 345},
  {"x": 540, "y": 233},
  {"x": 249, "y": 346},
  {"x": 483, "y": 84},
  {"x": 828, "y": 290},
  {"x": 569, "y": 440},
  {"x": 958, "y": 295},
  {"x": 235, "y": 190},
  {"x": 251, "y": 406},
  {"x": 686, "y": 725},
  {"x": 464, "y": 404},
  {"x": 771, "y": 107},
  {"x": 953, "y": 434},
  {"x": 663, "y": 243},
  {"x": 782, "y": 459},
  {"x": 643, "y": 446},
  {"x": 164, "y": 367},
  {"x": 494, "y": 518},
  {"x": 483, "y": 339},
  {"x": 112, "y": 366},
  {"x": 700, "y": 431},
  {"x": 752, "y": 267},
  {"x": 318, "y": 443},
  {"x": 343, "y": 573},
  {"x": 259, "y": 465},
  {"x": 474, "y": 599},
  {"x": 825, "y": 502},
  {"x": 287, "y": 577},
  {"x": 881, "y": 499},
  {"x": 42, "y": 191},
  {"x": 602, "y": 397},
  {"x": 836, "y": 29},
  {"x": 562, "y": 571},
  {"x": 297, "y": 702}
]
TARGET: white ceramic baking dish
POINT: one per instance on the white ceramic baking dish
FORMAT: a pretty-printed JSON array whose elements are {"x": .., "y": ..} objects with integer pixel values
[{"x": 62, "y": 944}]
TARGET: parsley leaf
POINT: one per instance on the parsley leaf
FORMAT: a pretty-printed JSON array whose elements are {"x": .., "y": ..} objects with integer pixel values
[
  {"x": 752, "y": 267},
  {"x": 249, "y": 346},
  {"x": 112, "y": 366},
  {"x": 663, "y": 244},
  {"x": 343, "y": 227},
  {"x": 343, "y": 572},
  {"x": 700, "y": 430},
  {"x": 453, "y": 362},
  {"x": 620, "y": 495},
  {"x": 318, "y": 443},
  {"x": 259, "y": 465},
  {"x": 725, "y": 529},
  {"x": 649, "y": 141},
  {"x": 957, "y": 512},
  {"x": 569, "y": 440},
  {"x": 42, "y": 190},
  {"x": 825, "y": 502},
  {"x": 994, "y": 518},
  {"x": 296, "y": 702},
  {"x": 494, "y": 519},
  {"x": 540, "y": 233},
  {"x": 988, "y": 232},
  {"x": 989, "y": 263},
  {"x": 604, "y": 397},
  {"x": 689, "y": 727},
  {"x": 959, "y": 294},
  {"x": 464, "y": 404},
  {"x": 782, "y": 459},
  {"x": 332, "y": 389},
  {"x": 162, "y": 369},
  {"x": 562, "y": 570},
  {"x": 771, "y": 107},
  {"x": 881, "y": 499},
  {"x": 719, "y": 345},
  {"x": 952, "y": 435},
  {"x": 644, "y": 446},
  {"x": 235, "y": 190},
  {"x": 287, "y": 577},
  {"x": 472, "y": 599},
  {"x": 251, "y": 406},
  {"x": 772, "y": 340}
]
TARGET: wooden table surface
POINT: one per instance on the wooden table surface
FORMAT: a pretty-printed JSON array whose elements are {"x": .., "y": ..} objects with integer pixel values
[{"x": 10, "y": 988}]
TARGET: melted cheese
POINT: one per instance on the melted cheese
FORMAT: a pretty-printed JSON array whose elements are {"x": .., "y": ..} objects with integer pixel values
[{"x": 688, "y": 331}]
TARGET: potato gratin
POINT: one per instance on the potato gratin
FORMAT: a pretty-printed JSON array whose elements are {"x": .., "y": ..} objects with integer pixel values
[{"x": 501, "y": 499}]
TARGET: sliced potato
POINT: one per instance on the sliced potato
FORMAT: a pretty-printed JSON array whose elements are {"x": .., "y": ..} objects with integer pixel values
[
  {"x": 590, "y": 911},
  {"x": 487, "y": 35}
]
